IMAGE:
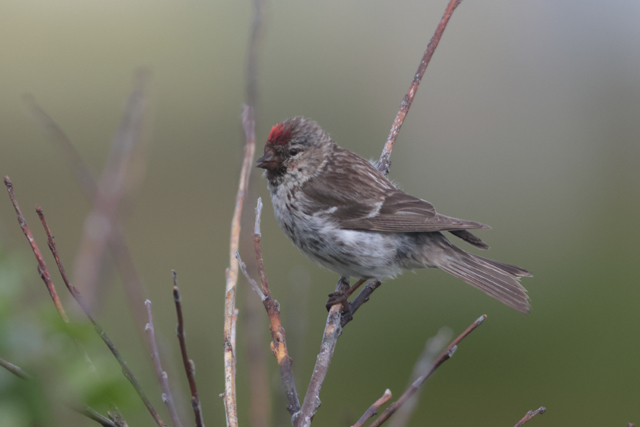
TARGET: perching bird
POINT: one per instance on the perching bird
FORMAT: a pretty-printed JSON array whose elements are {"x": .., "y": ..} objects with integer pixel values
[{"x": 345, "y": 215}]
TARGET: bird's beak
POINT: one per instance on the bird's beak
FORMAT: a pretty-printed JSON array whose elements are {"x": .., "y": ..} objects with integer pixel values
[{"x": 269, "y": 160}]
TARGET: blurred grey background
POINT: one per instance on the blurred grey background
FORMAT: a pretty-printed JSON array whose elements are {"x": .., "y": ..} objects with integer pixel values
[{"x": 528, "y": 119}]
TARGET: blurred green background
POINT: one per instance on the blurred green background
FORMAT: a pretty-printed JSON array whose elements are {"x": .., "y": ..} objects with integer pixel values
[{"x": 528, "y": 119}]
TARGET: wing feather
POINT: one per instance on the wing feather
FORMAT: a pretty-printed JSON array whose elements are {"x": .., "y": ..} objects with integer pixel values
[{"x": 359, "y": 197}]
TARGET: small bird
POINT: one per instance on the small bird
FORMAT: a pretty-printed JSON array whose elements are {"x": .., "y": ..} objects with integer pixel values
[{"x": 345, "y": 215}]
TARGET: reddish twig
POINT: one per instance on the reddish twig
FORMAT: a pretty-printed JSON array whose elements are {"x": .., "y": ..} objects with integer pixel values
[
  {"x": 384, "y": 163},
  {"x": 531, "y": 414},
  {"x": 103, "y": 335},
  {"x": 332, "y": 331},
  {"x": 42, "y": 267},
  {"x": 189, "y": 366},
  {"x": 232, "y": 272},
  {"x": 373, "y": 409},
  {"x": 279, "y": 343},
  {"x": 163, "y": 378},
  {"x": 444, "y": 356}
]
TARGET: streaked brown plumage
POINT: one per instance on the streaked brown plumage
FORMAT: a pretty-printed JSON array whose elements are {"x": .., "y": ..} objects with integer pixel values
[{"x": 344, "y": 214}]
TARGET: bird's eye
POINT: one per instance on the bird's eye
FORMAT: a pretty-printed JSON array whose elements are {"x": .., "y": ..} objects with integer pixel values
[{"x": 293, "y": 151}]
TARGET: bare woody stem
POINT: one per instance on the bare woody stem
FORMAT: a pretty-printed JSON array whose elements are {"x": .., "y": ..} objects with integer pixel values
[
  {"x": 117, "y": 244},
  {"x": 279, "y": 343},
  {"x": 42, "y": 267},
  {"x": 230, "y": 402},
  {"x": 384, "y": 163},
  {"x": 332, "y": 331},
  {"x": 373, "y": 409},
  {"x": 82, "y": 409},
  {"x": 103, "y": 335},
  {"x": 163, "y": 379},
  {"x": 444, "y": 356},
  {"x": 531, "y": 414},
  {"x": 189, "y": 366}
]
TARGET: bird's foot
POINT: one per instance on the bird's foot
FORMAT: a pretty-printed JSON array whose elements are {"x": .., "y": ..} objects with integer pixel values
[{"x": 338, "y": 297}]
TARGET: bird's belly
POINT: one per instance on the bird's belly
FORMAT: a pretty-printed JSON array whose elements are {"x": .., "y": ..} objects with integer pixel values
[{"x": 350, "y": 253}]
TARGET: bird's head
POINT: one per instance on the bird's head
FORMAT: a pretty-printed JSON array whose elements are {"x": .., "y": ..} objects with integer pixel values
[{"x": 297, "y": 144}]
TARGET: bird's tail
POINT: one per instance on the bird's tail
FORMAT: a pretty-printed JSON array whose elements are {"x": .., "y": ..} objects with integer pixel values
[{"x": 494, "y": 278}]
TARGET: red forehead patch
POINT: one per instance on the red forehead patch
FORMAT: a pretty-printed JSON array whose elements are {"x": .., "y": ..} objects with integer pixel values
[{"x": 280, "y": 134}]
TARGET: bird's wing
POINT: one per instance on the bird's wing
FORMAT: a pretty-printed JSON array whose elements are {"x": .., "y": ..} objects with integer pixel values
[{"x": 356, "y": 196}]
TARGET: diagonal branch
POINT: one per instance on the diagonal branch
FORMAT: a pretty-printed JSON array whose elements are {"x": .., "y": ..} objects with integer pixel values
[
  {"x": 189, "y": 366},
  {"x": 103, "y": 335},
  {"x": 373, "y": 409},
  {"x": 42, "y": 267},
  {"x": 279, "y": 343},
  {"x": 332, "y": 331},
  {"x": 444, "y": 356},
  {"x": 529, "y": 415},
  {"x": 384, "y": 163},
  {"x": 117, "y": 244},
  {"x": 163, "y": 378}
]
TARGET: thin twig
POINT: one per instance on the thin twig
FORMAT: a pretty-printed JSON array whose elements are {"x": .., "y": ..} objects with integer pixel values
[
  {"x": 15, "y": 370},
  {"x": 163, "y": 378},
  {"x": 103, "y": 335},
  {"x": 94, "y": 415},
  {"x": 230, "y": 403},
  {"x": 444, "y": 356},
  {"x": 384, "y": 162},
  {"x": 531, "y": 414},
  {"x": 110, "y": 190},
  {"x": 373, "y": 409},
  {"x": 332, "y": 331},
  {"x": 189, "y": 366},
  {"x": 42, "y": 266},
  {"x": 362, "y": 297},
  {"x": 131, "y": 280},
  {"x": 259, "y": 387},
  {"x": 82, "y": 409},
  {"x": 279, "y": 343},
  {"x": 432, "y": 349},
  {"x": 62, "y": 141}
]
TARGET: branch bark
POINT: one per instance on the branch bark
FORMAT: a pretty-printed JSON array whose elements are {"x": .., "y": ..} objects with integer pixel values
[{"x": 384, "y": 163}]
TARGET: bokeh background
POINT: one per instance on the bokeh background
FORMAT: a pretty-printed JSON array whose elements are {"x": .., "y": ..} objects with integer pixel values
[{"x": 528, "y": 119}]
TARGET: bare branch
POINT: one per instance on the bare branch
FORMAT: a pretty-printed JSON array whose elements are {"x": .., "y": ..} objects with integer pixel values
[
  {"x": 163, "y": 378},
  {"x": 103, "y": 335},
  {"x": 531, "y": 414},
  {"x": 42, "y": 266},
  {"x": 384, "y": 162},
  {"x": 62, "y": 141},
  {"x": 110, "y": 190},
  {"x": 432, "y": 349},
  {"x": 253, "y": 283},
  {"x": 232, "y": 271},
  {"x": 362, "y": 297},
  {"x": 15, "y": 370},
  {"x": 133, "y": 285},
  {"x": 373, "y": 409},
  {"x": 279, "y": 343},
  {"x": 82, "y": 409},
  {"x": 189, "y": 366},
  {"x": 444, "y": 356},
  {"x": 332, "y": 331}
]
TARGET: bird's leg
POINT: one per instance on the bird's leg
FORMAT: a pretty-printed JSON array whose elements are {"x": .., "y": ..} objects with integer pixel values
[
  {"x": 354, "y": 287},
  {"x": 341, "y": 295}
]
